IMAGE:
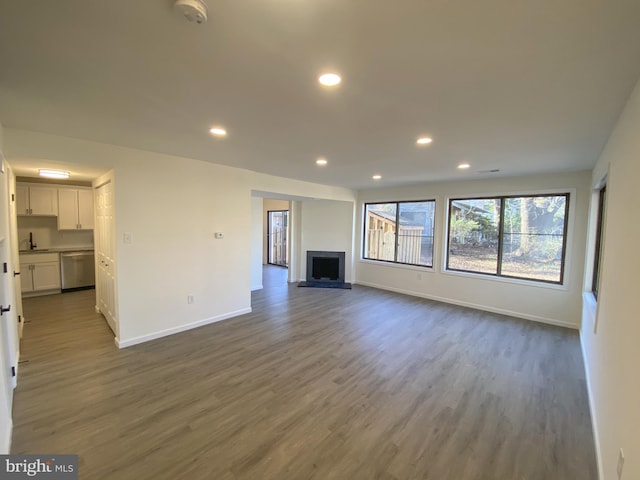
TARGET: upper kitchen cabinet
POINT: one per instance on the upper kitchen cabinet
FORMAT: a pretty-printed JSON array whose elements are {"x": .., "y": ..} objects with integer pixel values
[
  {"x": 36, "y": 200},
  {"x": 75, "y": 210}
]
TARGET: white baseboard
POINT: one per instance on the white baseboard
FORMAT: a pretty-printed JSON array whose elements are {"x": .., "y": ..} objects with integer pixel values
[
  {"x": 592, "y": 409},
  {"x": 182, "y": 328},
  {"x": 486, "y": 308},
  {"x": 256, "y": 287},
  {"x": 5, "y": 438}
]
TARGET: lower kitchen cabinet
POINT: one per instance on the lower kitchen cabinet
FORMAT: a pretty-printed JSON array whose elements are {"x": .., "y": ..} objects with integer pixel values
[{"x": 40, "y": 272}]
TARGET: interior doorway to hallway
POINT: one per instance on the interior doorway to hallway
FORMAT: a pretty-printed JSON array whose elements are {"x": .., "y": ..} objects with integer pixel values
[{"x": 277, "y": 226}]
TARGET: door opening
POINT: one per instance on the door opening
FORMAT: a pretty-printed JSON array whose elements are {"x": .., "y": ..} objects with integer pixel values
[{"x": 277, "y": 225}]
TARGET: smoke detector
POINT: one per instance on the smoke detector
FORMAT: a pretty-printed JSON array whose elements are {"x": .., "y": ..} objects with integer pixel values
[{"x": 192, "y": 10}]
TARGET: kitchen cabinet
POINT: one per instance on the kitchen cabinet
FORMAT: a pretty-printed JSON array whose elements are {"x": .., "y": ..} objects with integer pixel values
[
  {"x": 36, "y": 200},
  {"x": 39, "y": 272},
  {"x": 75, "y": 209}
]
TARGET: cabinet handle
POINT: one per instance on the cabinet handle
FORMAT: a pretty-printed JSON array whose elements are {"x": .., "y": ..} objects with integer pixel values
[
  {"x": 15, "y": 274},
  {"x": 4, "y": 310}
]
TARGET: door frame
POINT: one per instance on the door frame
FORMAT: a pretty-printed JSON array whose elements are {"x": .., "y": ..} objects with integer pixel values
[{"x": 285, "y": 246}]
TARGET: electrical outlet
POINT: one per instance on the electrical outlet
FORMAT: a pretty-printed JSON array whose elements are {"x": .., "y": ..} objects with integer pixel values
[
  {"x": 189, "y": 299},
  {"x": 620, "y": 464}
]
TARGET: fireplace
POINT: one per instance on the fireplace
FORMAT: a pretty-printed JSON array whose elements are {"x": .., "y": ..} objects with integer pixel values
[{"x": 325, "y": 269}]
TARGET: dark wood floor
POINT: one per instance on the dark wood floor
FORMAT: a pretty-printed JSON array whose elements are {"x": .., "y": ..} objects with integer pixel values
[{"x": 314, "y": 384}]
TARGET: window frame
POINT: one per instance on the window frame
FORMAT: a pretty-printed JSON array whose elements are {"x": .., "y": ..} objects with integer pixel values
[
  {"x": 501, "y": 198},
  {"x": 397, "y": 220},
  {"x": 597, "y": 256}
]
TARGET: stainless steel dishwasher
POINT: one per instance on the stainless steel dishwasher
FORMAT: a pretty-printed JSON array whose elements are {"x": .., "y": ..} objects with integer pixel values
[{"x": 78, "y": 270}]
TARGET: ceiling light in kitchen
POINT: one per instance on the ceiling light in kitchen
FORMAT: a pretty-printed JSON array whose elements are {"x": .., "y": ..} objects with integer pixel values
[{"x": 53, "y": 173}]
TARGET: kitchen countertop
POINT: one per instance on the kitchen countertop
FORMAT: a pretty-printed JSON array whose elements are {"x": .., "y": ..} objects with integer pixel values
[{"x": 58, "y": 250}]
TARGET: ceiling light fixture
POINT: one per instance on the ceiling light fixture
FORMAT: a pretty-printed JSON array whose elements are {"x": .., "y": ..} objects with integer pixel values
[
  {"x": 192, "y": 10},
  {"x": 218, "y": 131},
  {"x": 377, "y": 177},
  {"x": 53, "y": 173},
  {"x": 321, "y": 162},
  {"x": 424, "y": 140},
  {"x": 463, "y": 166},
  {"x": 329, "y": 79}
]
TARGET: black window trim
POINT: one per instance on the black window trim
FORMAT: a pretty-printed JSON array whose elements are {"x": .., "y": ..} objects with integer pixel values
[
  {"x": 597, "y": 259},
  {"x": 565, "y": 194},
  {"x": 395, "y": 250}
]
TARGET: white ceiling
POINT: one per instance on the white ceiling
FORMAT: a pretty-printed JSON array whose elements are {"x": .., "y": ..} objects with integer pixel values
[{"x": 521, "y": 86}]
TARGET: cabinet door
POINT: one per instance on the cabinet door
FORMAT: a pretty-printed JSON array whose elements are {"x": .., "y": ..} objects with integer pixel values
[
  {"x": 67, "y": 209},
  {"x": 46, "y": 276},
  {"x": 22, "y": 199},
  {"x": 26, "y": 278},
  {"x": 85, "y": 209},
  {"x": 43, "y": 200}
]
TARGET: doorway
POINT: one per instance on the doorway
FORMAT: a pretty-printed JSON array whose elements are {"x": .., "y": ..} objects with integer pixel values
[{"x": 277, "y": 226}]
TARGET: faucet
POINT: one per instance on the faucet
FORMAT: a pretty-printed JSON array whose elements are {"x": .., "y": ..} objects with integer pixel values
[{"x": 31, "y": 244}]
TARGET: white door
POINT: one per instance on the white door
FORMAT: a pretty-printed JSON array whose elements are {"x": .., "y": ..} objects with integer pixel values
[
  {"x": 26, "y": 277},
  {"x": 105, "y": 254},
  {"x": 43, "y": 200},
  {"x": 15, "y": 256},
  {"x": 46, "y": 276},
  {"x": 8, "y": 318},
  {"x": 85, "y": 209},
  {"x": 67, "y": 209},
  {"x": 22, "y": 199}
]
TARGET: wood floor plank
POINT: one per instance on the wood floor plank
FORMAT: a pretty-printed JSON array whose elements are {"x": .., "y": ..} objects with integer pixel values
[{"x": 313, "y": 384}]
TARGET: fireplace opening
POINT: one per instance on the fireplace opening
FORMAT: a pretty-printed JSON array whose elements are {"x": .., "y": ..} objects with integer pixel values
[{"x": 325, "y": 269}]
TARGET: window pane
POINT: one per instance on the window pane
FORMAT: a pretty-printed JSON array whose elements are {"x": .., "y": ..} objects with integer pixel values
[
  {"x": 473, "y": 235},
  {"x": 381, "y": 231},
  {"x": 415, "y": 235},
  {"x": 533, "y": 237}
]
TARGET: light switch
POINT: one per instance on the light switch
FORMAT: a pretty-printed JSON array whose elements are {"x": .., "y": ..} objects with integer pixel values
[
  {"x": 219, "y": 235},
  {"x": 127, "y": 237}
]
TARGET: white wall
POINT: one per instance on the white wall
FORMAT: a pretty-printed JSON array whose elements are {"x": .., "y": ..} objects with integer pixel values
[
  {"x": 612, "y": 354},
  {"x": 326, "y": 225},
  {"x": 173, "y": 206},
  {"x": 256, "y": 243},
  {"x": 530, "y": 300}
]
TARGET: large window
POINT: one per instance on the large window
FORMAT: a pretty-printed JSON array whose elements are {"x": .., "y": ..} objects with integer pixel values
[
  {"x": 597, "y": 261},
  {"x": 518, "y": 237},
  {"x": 399, "y": 232}
]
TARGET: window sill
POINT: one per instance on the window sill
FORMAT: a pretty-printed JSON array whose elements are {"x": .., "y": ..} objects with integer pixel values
[
  {"x": 516, "y": 281},
  {"x": 404, "y": 266}
]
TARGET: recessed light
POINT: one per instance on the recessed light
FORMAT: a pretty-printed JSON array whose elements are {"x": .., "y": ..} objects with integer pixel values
[
  {"x": 424, "y": 140},
  {"x": 463, "y": 166},
  {"x": 218, "y": 131},
  {"x": 53, "y": 173},
  {"x": 377, "y": 177},
  {"x": 329, "y": 79},
  {"x": 321, "y": 162}
]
